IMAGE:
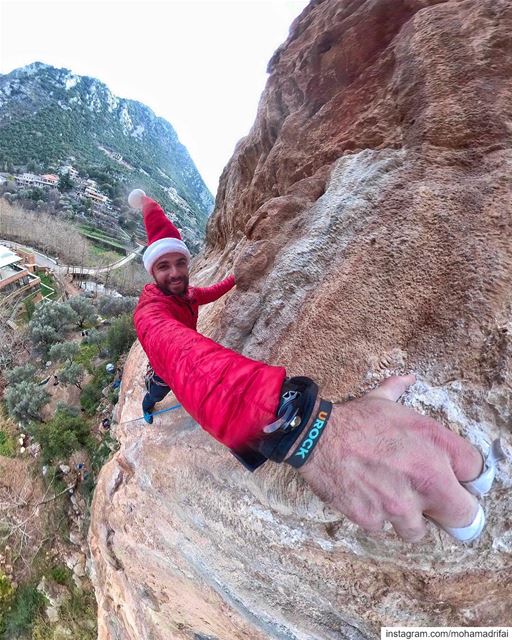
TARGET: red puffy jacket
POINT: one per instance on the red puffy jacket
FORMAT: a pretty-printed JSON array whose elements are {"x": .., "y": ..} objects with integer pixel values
[{"x": 229, "y": 395}]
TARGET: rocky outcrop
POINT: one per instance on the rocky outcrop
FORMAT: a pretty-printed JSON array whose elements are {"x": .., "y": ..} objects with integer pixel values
[{"x": 371, "y": 205}]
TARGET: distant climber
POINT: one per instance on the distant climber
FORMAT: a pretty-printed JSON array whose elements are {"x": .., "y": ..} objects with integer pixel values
[{"x": 372, "y": 458}]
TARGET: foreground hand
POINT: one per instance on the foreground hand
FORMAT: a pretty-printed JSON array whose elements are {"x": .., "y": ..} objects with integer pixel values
[{"x": 379, "y": 461}]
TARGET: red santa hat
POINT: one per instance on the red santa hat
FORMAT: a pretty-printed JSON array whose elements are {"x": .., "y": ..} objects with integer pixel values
[{"x": 163, "y": 236}]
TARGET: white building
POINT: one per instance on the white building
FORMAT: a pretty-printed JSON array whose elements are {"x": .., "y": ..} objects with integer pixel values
[
  {"x": 14, "y": 275},
  {"x": 95, "y": 195},
  {"x": 31, "y": 180}
]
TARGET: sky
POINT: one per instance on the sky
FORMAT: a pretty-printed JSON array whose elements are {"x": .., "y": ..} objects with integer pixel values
[{"x": 200, "y": 64}]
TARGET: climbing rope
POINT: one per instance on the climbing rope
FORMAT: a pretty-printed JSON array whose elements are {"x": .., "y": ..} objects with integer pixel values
[{"x": 155, "y": 413}]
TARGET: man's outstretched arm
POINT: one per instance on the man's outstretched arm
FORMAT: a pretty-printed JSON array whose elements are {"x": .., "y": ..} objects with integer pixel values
[
  {"x": 376, "y": 461},
  {"x": 204, "y": 295},
  {"x": 230, "y": 396}
]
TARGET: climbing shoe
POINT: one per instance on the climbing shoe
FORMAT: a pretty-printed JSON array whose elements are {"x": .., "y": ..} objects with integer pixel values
[{"x": 148, "y": 417}]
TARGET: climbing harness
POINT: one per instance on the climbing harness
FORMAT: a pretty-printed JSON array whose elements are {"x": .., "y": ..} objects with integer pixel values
[{"x": 151, "y": 378}]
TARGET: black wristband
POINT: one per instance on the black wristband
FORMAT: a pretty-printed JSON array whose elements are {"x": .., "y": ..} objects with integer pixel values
[
  {"x": 310, "y": 440},
  {"x": 276, "y": 445}
]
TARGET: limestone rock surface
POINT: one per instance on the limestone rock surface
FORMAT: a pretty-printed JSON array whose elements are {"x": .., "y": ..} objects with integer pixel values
[{"x": 370, "y": 212}]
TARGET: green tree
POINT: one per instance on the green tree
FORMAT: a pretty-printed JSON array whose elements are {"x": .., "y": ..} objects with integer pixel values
[
  {"x": 25, "y": 400},
  {"x": 65, "y": 183},
  {"x": 64, "y": 351},
  {"x": 49, "y": 322},
  {"x": 25, "y": 373},
  {"x": 93, "y": 392},
  {"x": 121, "y": 336},
  {"x": 85, "y": 311},
  {"x": 37, "y": 194},
  {"x": 73, "y": 373}
]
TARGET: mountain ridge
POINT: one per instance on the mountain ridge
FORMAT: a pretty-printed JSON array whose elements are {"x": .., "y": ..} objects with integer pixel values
[{"x": 49, "y": 115}]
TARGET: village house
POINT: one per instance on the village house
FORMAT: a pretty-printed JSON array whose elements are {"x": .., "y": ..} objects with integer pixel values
[
  {"x": 32, "y": 180},
  {"x": 17, "y": 272}
]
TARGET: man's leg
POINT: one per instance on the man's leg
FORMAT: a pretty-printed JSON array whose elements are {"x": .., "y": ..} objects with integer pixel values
[
  {"x": 147, "y": 408},
  {"x": 156, "y": 393}
]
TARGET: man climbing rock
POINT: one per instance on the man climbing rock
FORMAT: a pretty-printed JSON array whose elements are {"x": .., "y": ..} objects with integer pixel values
[
  {"x": 372, "y": 459},
  {"x": 167, "y": 260}
]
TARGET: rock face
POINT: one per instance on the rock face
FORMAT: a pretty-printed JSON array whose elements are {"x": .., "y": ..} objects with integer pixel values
[{"x": 371, "y": 205}]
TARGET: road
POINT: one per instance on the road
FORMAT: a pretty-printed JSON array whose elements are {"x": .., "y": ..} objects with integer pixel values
[{"x": 43, "y": 260}]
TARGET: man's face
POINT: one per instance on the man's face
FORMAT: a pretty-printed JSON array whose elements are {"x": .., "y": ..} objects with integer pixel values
[{"x": 170, "y": 272}]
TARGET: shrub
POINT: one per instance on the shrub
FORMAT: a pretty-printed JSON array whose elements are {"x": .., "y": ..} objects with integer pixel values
[
  {"x": 64, "y": 433},
  {"x": 7, "y": 445},
  {"x": 94, "y": 337},
  {"x": 78, "y": 614},
  {"x": 92, "y": 392},
  {"x": 24, "y": 401},
  {"x": 61, "y": 574},
  {"x": 81, "y": 607},
  {"x": 121, "y": 335},
  {"x": 6, "y": 597},
  {"x": 26, "y": 605},
  {"x": 87, "y": 353}
]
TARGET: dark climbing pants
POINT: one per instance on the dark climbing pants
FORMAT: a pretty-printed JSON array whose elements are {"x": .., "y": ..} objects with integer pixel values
[{"x": 156, "y": 393}]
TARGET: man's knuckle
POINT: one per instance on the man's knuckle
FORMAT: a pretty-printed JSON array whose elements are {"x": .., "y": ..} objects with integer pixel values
[
  {"x": 425, "y": 483},
  {"x": 396, "y": 508}
]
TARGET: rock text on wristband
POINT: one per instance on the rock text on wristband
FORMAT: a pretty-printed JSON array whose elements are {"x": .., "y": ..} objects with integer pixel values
[{"x": 310, "y": 440}]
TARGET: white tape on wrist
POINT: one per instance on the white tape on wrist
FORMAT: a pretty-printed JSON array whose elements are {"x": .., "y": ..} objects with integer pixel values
[
  {"x": 482, "y": 485},
  {"x": 472, "y": 531}
]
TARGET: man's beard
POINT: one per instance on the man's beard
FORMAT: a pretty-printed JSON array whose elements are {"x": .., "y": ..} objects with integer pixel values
[{"x": 177, "y": 291}]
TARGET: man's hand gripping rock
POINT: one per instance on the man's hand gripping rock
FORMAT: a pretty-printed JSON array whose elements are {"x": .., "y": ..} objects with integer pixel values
[{"x": 379, "y": 461}]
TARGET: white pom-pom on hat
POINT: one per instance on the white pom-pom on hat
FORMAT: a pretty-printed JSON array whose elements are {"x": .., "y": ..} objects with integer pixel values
[{"x": 136, "y": 199}]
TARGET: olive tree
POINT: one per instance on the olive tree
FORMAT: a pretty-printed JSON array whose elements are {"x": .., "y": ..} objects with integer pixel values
[
  {"x": 64, "y": 351},
  {"x": 85, "y": 311},
  {"x": 50, "y": 321},
  {"x": 24, "y": 400}
]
